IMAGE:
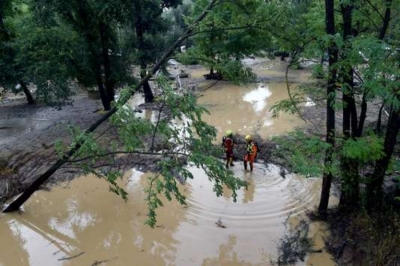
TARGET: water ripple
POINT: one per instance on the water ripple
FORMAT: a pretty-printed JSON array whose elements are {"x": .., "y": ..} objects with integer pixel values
[{"x": 268, "y": 200}]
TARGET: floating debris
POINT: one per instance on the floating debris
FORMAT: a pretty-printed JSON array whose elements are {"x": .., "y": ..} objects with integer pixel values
[{"x": 219, "y": 223}]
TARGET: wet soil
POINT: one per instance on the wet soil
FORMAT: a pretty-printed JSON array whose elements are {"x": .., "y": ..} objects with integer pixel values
[{"x": 26, "y": 152}]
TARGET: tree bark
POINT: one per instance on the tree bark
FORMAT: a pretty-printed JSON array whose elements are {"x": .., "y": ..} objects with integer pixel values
[
  {"x": 106, "y": 63},
  {"x": 330, "y": 111},
  {"x": 102, "y": 91},
  {"x": 386, "y": 19},
  {"x": 148, "y": 93},
  {"x": 17, "y": 203},
  {"x": 374, "y": 187},
  {"x": 363, "y": 115},
  {"x": 378, "y": 128},
  {"x": 27, "y": 92},
  {"x": 350, "y": 190}
]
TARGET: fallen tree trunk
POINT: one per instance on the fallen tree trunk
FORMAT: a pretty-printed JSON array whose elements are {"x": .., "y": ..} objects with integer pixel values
[{"x": 17, "y": 203}]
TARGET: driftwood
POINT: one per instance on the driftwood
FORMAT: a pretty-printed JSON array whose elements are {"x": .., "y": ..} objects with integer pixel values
[{"x": 72, "y": 257}]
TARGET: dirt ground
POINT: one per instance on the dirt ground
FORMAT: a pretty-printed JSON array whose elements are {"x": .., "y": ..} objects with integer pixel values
[{"x": 26, "y": 150}]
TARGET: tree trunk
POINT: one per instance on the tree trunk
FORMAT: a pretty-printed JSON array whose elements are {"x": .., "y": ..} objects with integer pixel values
[
  {"x": 363, "y": 115},
  {"x": 28, "y": 94},
  {"x": 386, "y": 19},
  {"x": 374, "y": 187},
  {"x": 378, "y": 128},
  {"x": 330, "y": 111},
  {"x": 100, "y": 85},
  {"x": 148, "y": 93},
  {"x": 16, "y": 204},
  {"x": 107, "y": 80},
  {"x": 350, "y": 190}
]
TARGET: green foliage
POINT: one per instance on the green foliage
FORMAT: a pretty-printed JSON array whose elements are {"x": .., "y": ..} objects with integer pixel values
[
  {"x": 288, "y": 105},
  {"x": 302, "y": 153},
  {"x": 45, "y": 54},
  {"x": 227, "y": 35},
  {"x": 10, "y": 76},
  {"x": 364, "y": 150},
  {"x": 88, "y": 155},
  {"x": 52, "y": 44},
  {"x": 234, "y": 71}
]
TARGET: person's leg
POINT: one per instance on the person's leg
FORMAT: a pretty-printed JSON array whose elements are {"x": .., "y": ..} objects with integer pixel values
[
  {"x": 245, "y": 162},
  {"x": 251, "y": 160},
  {"x": 231, "y": 158}
]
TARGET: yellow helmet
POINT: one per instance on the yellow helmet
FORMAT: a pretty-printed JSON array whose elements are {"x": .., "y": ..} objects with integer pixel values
[
  {"x": 248, "y": 137},
  {"x": 229, "y": 132}
]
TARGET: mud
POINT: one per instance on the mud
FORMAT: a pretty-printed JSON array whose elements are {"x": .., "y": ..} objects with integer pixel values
[{"x": 26, "y": 152}]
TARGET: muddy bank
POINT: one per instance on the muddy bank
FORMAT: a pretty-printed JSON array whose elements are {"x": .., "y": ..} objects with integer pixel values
[{"x": 27, "y": 152}]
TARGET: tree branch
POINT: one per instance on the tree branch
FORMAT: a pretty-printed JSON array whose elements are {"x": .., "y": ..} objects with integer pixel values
[{"x": 125, "y": 152}]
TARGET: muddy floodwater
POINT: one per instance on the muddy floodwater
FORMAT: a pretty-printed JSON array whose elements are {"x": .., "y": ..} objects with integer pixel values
[{"x": 82, "y": 223}]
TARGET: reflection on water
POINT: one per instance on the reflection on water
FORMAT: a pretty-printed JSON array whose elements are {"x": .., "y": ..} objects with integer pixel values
[
  {"x": 83, "y": 218},
  {"x": 136, "y": 100},
  {"x": 258, "y": 97},
  {"x": 246, "y": 109},
  {"x": 253, "y": 225}
]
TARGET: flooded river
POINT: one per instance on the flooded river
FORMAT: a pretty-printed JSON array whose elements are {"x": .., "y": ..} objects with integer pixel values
[{"x": 82, "y": 223}]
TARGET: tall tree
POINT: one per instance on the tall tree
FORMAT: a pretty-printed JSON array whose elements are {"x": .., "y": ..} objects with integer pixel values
[
  {"x": 330, "y": 105},
  {"x": 97, "y": 61},
  {"x": 349, "y": 172},
  {"x": 366, "y": 68},
  {"x": 148, "y": 21},
  {"x": 11, "y": 75},
  {"x": 234, "y": 31}
]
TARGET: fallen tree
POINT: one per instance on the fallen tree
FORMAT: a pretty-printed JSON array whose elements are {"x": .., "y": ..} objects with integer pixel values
[{"x": 20, "y": 200}]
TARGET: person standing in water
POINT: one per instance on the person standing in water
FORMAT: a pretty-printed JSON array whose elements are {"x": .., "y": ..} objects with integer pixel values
[
  {"x": 228, "y": 144},
  {"x": 251, "y": 152}
]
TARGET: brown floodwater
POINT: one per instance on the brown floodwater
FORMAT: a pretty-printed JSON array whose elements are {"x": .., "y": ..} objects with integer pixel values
[{"x": 82, "y": 223}]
